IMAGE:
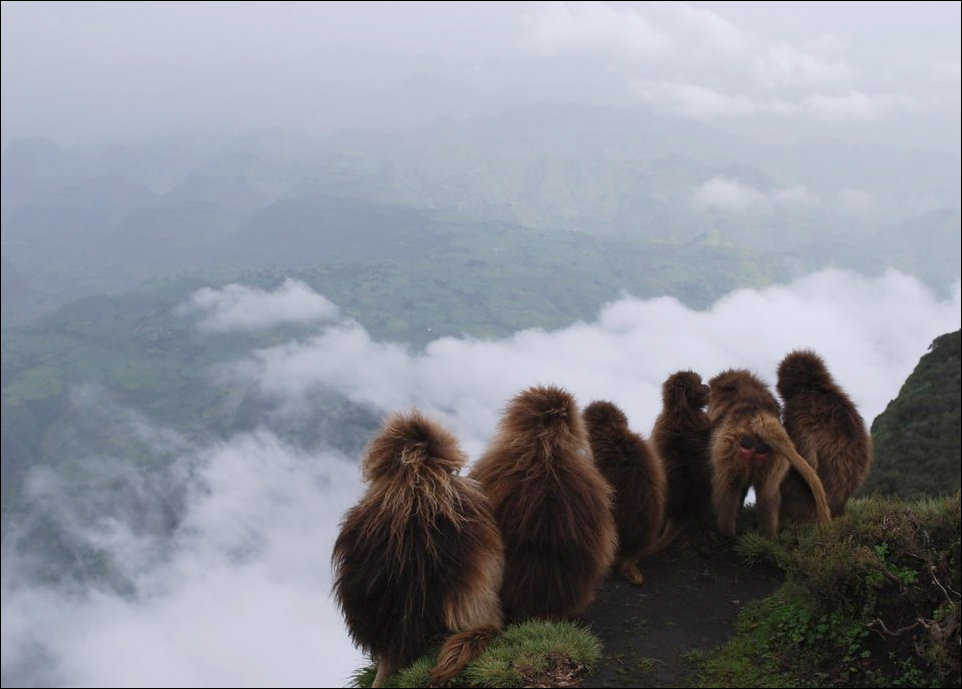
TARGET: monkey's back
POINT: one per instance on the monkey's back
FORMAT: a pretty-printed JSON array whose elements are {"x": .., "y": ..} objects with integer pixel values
[
  {"x": 393, "y": 576},
  {"x": 634, "y": 471},
  {"x": 559, "y": 538},
  {"x": 681, "y": 439},
  {"x": 828, "y": 431}
]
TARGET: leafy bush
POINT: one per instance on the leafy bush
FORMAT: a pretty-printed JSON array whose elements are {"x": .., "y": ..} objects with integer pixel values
[{"x": 872, "y": 599}]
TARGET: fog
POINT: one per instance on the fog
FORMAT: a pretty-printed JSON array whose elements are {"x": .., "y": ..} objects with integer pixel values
[
  {"x": 217, "y": 215},
  {"x": 238, "y": 593},
  {"x": 90, "y": 71},
  {"x": 236, "y": 307},
  {"x": 869, "y": 331},
  {"x": 237, "y": 596},
  {"x": 730, "y": 194}
]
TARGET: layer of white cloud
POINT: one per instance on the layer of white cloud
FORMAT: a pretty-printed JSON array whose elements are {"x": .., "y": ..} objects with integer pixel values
[
  {"x": 871, "y": 332},
  {"x": 238, "y": 593},
  {"x": 727, "y": 193},
  {"x": 655, "y": 31},
  {"x": 76, "y": 75},
  {"x": 237, "y": 307},
  {"x": 700, "y": 102},
  {"x": 710, "y": 27},
  {"x": 853, "y": 106},
  {"x": 785, "y": 64},
  {"x": 719, "y": 69},
  {"x": 593, "y": 26}
]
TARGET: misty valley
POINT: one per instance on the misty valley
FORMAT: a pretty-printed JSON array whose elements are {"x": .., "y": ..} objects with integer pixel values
[{"x": 201, "y": 333}]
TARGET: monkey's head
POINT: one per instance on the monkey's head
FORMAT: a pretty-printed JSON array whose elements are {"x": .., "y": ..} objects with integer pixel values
[
  {"x": 738, "y": 388},
  {"x": 607, "y": 428},
  {"x": 724, "y": 390},
  {"x": 684, "y": 390},
  {"x": 543, "y": 409},
  {"x": 603, "y": 415},
  {"x": 801, "y": 370},
  {"x": 411, "y": 446}
]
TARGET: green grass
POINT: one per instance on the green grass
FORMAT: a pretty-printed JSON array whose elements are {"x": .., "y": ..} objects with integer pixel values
[
  {"x": 871, "y": 599},
  {"x": 523, "y": 651}
]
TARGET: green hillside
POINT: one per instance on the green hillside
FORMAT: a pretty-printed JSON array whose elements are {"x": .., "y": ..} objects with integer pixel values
[{"x": 917, "y": 437}]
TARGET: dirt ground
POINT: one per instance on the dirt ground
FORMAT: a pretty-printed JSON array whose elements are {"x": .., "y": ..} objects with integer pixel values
[{"x": 653, "y": 634}]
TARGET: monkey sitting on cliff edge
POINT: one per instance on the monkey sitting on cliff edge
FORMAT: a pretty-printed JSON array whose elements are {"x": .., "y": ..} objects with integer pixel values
[
  {"x": 552, "y": 505},
  {"x": 637, "y": 476},
  {"x": 680, "y": 437},
  {"x": 828, "y": 431},
  {"x": 419, "y": 558},
  {"x": 749, "y": 447}
]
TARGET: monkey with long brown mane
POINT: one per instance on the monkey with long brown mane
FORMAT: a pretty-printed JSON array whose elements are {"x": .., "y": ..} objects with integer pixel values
[
  {"x": 749, "y": 447},
  {"x": 828, "y": 431},
  {"x": 681, "y": 438},
  {"x": 419, "y": 558},
  {"x": 638, "y": 478},
  {"x": 551, "y": 503}
]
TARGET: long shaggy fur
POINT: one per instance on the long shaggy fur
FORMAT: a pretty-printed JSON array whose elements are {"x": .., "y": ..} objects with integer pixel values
[
  {"x": 680, "y": 437},
  {"x": 638, "y": 478},
  {"x": 420, "y": 556},
  {"x": 743, "y": 412},
  {"x": 828, "y": 431},
  {"x": 552, "y": 504}
]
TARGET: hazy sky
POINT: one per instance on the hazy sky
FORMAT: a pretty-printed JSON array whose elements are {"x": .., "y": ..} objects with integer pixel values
[
  {"x": 238, "y": 596},
  {"x": 84, "y": 71}
]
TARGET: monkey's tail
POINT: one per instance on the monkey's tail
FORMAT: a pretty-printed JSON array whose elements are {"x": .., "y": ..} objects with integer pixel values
[
  {"x": 770, "y": 429},
  {"x": 460, "y": 649},
  {"x": 669, "y": 532}
]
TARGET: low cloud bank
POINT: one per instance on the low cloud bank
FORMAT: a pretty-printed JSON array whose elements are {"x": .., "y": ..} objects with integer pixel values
[
  {"x": 235, "y": 590},
  {"x": 870, "y": 331}
]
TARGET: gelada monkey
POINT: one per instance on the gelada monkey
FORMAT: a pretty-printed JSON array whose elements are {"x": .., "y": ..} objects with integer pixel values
[
  {"x": 828, "y": 431},
  {"x": 551, "y": 503},
  {"x": 680, "y": 437},
  {"x": 749, "y": 447},
  {"x": 637, "y": 476},
  {"x": 419, "y": 558}
]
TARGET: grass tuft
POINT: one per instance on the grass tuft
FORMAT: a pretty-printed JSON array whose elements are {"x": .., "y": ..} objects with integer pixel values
[{"x": 524, "y": 653}]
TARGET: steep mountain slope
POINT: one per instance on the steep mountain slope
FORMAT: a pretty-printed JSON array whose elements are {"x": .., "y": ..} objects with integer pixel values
[{"x": 917, "y": 437}]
